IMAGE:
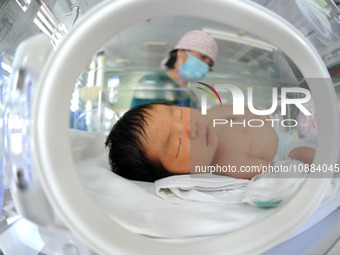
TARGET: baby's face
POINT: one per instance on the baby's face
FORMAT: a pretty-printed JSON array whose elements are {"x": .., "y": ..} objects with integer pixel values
[{"x": 180, "y": 137}]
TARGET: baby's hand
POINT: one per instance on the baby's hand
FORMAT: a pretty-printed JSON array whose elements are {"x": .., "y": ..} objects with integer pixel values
[{"x": 304, "y": 154}]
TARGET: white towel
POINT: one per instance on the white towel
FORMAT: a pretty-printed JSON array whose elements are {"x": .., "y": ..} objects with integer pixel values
[{"x": 186, "y": 189}]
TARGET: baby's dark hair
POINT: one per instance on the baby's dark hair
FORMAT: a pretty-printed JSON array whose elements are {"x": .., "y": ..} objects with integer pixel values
[{"x": 127, "y": 155}]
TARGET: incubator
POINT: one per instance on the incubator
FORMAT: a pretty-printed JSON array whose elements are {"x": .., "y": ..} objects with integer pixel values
[{"x": 72, "y": 75}]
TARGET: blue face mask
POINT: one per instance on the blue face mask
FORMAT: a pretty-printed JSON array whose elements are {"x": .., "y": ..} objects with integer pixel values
[{"x": 193, "y": 69}]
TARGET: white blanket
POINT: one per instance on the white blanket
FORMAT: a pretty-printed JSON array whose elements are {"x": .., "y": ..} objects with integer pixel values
[
  {"x": 135, "y": 206},
  {"x": 264, "y": 190},
  {"x": 184, "y": 189},
  {"x": 269, "y": 189}
]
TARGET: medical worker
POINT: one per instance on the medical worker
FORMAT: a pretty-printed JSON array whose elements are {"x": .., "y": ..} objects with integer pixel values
[{"x": 191, "y": 59}]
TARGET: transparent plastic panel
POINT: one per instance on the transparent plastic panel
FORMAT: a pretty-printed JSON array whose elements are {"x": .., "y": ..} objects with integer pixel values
[
  {"x": 2, "y": 158},
  {"x": 317, "y": 20},
  {"x": 133, "y": 64},
  {"x": 17, "y": 126}
]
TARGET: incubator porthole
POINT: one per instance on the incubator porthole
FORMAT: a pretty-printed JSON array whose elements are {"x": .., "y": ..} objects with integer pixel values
[
  {"x": 75, "y": 198},
  {"x": 108, "y": 86}
]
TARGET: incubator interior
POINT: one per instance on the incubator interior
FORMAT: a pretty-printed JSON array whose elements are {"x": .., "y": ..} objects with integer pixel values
[
  {"x": 106, "y": 89},
  {"x": 114, "y": 75}
]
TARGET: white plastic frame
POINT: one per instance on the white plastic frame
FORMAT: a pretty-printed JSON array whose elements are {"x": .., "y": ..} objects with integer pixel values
[{"x": 56, "y": 167}]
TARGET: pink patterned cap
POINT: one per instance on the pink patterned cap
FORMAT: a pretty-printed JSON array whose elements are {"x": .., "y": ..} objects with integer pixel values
[{"x": 199, "y": 41}]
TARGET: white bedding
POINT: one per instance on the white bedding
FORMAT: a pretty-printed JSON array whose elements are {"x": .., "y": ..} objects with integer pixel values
[
  {"x": 264, "y": 190},
  {"x": 187, "y": 189},
  {"x": 136, "y": 206}
]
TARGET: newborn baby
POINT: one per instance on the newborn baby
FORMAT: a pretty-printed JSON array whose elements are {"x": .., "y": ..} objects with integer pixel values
[{"x": 158, "y": 140}]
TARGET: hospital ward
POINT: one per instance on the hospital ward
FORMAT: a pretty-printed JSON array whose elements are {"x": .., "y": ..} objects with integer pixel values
[{"x": 169, "y": 127}]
